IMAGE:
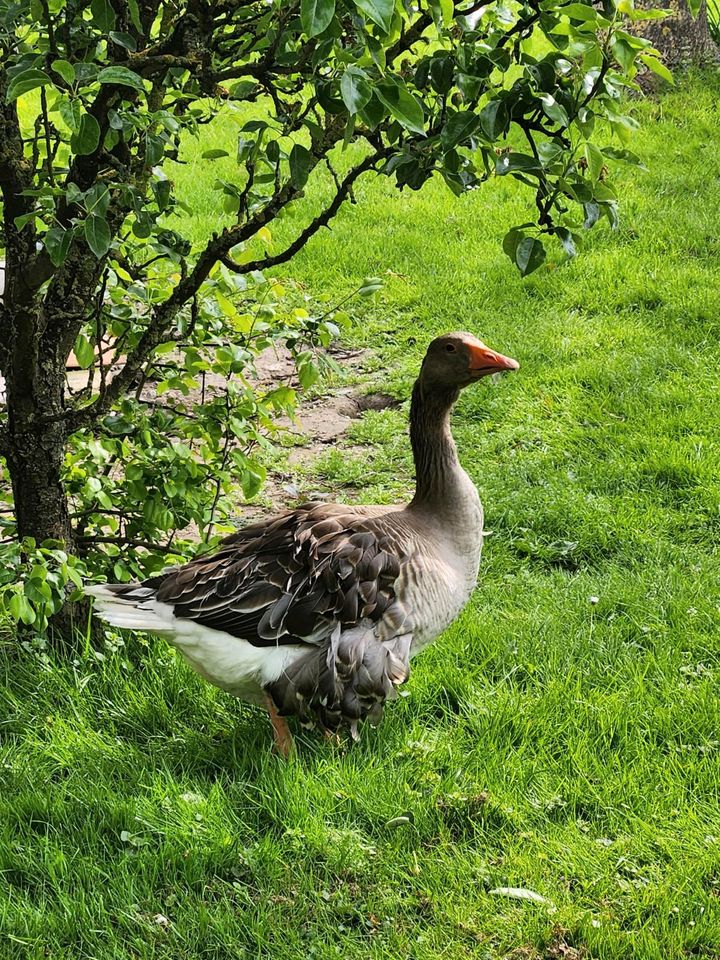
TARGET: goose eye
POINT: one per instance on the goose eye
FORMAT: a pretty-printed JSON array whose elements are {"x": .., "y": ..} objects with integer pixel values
[{"x": 450, "y": 348}]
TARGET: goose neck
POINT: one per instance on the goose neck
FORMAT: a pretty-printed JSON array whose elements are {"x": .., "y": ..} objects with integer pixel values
[{"x": 440, "y": 480}]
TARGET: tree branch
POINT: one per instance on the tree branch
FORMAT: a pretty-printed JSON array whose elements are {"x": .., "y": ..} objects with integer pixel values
[
  {"x": 322, "y": 220},
  {"x": 127, "y": 542},
  {"x": 165, "y": 313},
  {"x": 411, "y": 36}
]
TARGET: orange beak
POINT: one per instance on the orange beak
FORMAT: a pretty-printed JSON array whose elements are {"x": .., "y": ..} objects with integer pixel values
[{"x": 484, "y": 361}]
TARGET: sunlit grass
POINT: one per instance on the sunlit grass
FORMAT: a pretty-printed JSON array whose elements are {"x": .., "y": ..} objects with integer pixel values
[{"x": 562, "y": 737}]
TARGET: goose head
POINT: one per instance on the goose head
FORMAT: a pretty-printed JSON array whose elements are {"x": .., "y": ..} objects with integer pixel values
[{"x": 456, "y": 360}]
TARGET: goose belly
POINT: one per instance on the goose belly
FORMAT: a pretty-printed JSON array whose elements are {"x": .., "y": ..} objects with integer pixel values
[{"x": 231, "y": 663}]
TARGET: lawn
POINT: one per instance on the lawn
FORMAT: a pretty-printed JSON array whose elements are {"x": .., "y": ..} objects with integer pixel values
[{"x": 562, "y": 737}]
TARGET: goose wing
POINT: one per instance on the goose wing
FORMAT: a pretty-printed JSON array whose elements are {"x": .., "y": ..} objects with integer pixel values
[{"x": 294, "y": 579}]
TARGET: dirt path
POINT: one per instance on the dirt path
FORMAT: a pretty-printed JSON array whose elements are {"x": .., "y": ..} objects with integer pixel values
[{"x": 321, "y": 423}]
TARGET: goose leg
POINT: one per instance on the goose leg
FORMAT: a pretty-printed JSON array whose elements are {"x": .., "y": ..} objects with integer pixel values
[{"x": 284, "y": 743}]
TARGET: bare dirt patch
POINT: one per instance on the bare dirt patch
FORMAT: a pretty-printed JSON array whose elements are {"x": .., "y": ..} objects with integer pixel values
[{"x": 320, "y": 425}]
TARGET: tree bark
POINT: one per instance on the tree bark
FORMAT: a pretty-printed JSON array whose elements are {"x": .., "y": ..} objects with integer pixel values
[
  {"x": 683, "y": 40},
  {"x": 35, "y": 453},
  {"x": 34, "y": 448},
  {"x": 35, "y": 439}
]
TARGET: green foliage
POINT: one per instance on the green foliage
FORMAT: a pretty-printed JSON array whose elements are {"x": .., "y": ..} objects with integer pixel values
[
  {"x": 199, "y": 423},
  {"x": 101, "y": 99},
  {"x": 35, "y": 582},
  {"x": 547, "y": 72},
  {"x": 201, "y": 420}
]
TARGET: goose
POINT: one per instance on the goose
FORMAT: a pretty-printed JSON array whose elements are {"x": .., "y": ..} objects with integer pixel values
[{"x": 317, "y": 611}]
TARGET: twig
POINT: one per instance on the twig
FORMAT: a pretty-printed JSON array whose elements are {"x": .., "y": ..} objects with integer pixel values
[
  {"x": 322, "y": 220},
  {"x": 48, "y": 145},
  {"x": 127, "y": 542},
  {"x": 218, "y": 479}
]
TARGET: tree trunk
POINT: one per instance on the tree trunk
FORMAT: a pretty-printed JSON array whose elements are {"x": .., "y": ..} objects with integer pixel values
[
  {"x": 34, "y": 448},
  {"x": 35, "y": 453},
  {"x": 683, "y": 40},
  {"x": 35, "y": 438}
]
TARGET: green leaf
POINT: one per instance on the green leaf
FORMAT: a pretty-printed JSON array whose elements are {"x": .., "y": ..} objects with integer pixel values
[
  {"x": 73, "y": 193},
  {"x": 300, "y": 161},
  {"x": 121, "y": 76},
  {"x": 154, "y": 150},
  {"x": 370, "y": 285},
  {"x": 655, "y": 14},
  {"x": 71, "y": 112},
  {"x": 657, "y": 67},
  {"x": 586, "y": 121},
  {"x": 162, "y": 189},
  {"x": 252, "y": 479},
  {"x": 442, "y": 71},
  {"x": 568, "y": 240},
  {"x": 214, "y": 154},
  {"x": 87, "y": 137},
  {"x": 379, "y": 11},
  {"x": 97, "y": 234},
  {"x": 103, "y": 15},
  {"x": 402, "y": 105},
  {"x": 24, "y": 82},
  {"x": 624, "y": 156},
  {"x": 243, "y": 89},
  {"x": 64, "y": 69},
  {"x": 579, "y": 11},
  {"x": 355, "y": 89},
  {"x": 694, "y": 6},
  {"x": 97, "y": 199},
  {"x": 57, "y": 244},
  {"x": 553, "y": 110},
  {"x": 460, "y": 127},
  {"x": 21, "y": 609},
  {"x": 442, "y": 11},
  {"x": 316, "y": 15},
  {"x": 550, "y": 152},
  {"x": 494, "y": 119},
  {"x": 624, "y": 53},
  {"x": 308, "y": 372},
  {"x": 124, "y": 40},
  {"x": 595, "y": 161},
  {"x": 281, "y": 398},
  {"x": 135, "y": 15},
  {"x": 24, "y": 219},
  {"x": 511, "y": 240},
  {"x": 516, "y": 163},
  {"x": 84, "y": 351},
  {"x": 592, "y": 215},
  {"x": 529, "y": 255},
  {"x": 373, "y": 112}
]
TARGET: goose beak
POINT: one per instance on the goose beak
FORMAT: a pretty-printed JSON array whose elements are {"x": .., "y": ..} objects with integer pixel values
[{"x": 484, "y": 361}]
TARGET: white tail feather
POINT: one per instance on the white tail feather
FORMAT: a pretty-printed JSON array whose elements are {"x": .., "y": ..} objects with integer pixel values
[{"x": 131, "y": 613}]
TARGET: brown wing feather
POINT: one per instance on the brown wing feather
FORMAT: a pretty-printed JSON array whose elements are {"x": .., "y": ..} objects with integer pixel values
[{"x": 293, "y": 579}]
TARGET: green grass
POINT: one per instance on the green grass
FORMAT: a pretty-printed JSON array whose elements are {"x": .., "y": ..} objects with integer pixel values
[{"x": 549, "y": 741}]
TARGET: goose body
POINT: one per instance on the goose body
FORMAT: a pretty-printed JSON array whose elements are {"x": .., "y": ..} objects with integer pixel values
[{"x": 317, "y": 611}]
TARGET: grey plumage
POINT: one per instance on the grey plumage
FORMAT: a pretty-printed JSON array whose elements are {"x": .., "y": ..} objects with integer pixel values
[{"x": 321, "y": 608}]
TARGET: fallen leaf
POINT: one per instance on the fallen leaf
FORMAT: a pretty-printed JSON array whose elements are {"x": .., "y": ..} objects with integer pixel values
[
  {"x": 401, "y": 820},
  {"x": 519, "y": 893}
]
